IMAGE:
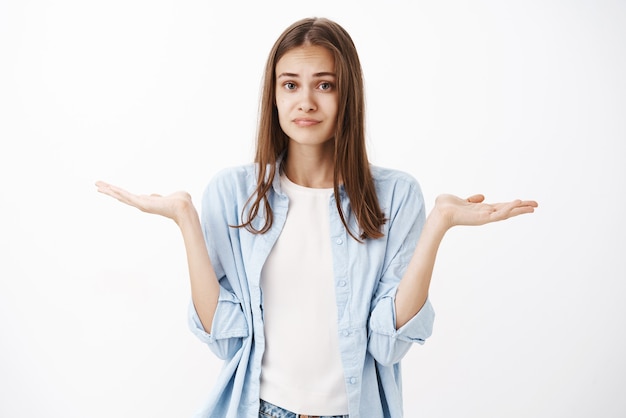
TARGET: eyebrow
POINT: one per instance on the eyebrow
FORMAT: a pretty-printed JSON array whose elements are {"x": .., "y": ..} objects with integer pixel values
[{"x": 320, "y": 74}]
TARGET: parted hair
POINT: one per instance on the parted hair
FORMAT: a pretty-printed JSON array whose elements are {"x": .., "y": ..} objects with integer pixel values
[{"x": 351, "y": 164}]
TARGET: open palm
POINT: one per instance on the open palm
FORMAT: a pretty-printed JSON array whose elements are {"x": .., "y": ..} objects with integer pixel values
[
  {"x": 171, "y": 206},
  {"x": 473, "y": 210}
]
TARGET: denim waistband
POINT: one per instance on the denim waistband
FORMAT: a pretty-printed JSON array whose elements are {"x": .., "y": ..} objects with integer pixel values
[{"x": 268, "y": 410}]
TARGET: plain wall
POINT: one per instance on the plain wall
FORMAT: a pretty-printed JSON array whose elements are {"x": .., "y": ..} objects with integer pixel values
[{"x": 512, "y": 99}]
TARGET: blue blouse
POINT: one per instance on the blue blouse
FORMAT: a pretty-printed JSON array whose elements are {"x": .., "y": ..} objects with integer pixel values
[{"x": 366, "y": 276}]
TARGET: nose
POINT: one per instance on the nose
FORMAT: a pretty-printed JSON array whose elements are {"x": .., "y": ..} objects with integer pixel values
[{"x": 307, "y": 102}]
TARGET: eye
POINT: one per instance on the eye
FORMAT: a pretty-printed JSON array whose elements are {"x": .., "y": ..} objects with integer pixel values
[
  {"x": 290, "y": 85},
  {"x": 325, "y": 86}
]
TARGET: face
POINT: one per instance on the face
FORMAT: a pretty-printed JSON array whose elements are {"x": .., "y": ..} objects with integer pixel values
[{"x": 306, "y": 95}]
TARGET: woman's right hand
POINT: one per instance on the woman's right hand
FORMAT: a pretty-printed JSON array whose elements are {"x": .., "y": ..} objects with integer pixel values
[
  {"x": 205, "y": 289},
  {"x": 174, "y": 206}
]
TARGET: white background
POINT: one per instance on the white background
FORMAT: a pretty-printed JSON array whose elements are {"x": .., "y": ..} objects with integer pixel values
[{"x": 507, "y": 98}]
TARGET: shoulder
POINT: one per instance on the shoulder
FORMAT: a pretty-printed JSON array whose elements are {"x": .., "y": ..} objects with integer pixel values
[
  {"x": 232, "y": 184},
  {"x": 397, "y": 191},
  {"x": 392, "y": 179},
  {"x": 241, "y": 173},
  {"x": 233, "y": 178},
  {"x": 400, "y": 198}
]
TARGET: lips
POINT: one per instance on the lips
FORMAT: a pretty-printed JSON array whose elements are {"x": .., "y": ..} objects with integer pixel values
[{"x": 306, "y": 122}]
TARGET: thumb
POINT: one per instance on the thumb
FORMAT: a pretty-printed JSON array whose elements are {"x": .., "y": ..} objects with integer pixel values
[{"x": 477, "y": 198}]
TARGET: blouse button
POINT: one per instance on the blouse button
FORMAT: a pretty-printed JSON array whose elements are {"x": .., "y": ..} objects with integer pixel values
[{"x": 339, "y": 241}]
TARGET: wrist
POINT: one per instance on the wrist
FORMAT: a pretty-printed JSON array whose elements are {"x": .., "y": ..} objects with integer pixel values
[
  {"x": 186, "y": 215},
  {"x": 437, "y": 222}
]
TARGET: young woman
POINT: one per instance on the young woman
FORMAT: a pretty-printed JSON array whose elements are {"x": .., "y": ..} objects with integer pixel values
[{"x": 310, "y": 268}]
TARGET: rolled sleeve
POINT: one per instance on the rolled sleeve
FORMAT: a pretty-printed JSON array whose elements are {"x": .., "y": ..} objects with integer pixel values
[
  {"x": 406, "y": 217},
  {"x": 228, "y": 329},
  {"x": 386, "y": 343}
]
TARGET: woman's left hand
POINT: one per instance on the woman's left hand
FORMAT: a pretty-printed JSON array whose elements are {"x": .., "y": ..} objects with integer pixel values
[{"x": 473, "y": 211}]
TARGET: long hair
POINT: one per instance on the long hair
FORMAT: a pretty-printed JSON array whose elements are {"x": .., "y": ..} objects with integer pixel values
[{"x": 351, "y": 164}]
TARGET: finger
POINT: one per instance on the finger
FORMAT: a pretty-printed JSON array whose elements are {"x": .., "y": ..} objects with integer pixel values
[
  {"x": 521, "y": 211},
  {"x": 477, "y": 198},
  {"x": 515, "y": 208},
  {"x": 111, "y": 190},
  {"x": 118, "y": 193},
  {"x": 530, "y": 203},
  {"x": 519, "y": 204},
  {"x": 102, "y": 186}
]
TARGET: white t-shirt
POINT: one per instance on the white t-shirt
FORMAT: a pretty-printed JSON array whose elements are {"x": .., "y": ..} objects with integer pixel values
[{"x": 301, "y": 369}]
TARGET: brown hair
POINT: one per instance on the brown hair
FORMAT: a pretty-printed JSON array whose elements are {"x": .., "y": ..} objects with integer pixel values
[{"x": 350, "y": 158}]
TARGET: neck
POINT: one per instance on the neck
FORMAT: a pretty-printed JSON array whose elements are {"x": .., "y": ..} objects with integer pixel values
[{"x": 310, "y": 166}]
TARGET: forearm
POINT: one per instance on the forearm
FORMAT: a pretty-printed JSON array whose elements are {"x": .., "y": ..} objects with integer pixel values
[
  {"x": 204, "y": 283},
  {"x": 413, "y": 288}
]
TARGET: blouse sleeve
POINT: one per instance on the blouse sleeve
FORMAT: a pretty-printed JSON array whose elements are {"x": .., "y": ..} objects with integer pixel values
[
  {"x": 229, "y": 326},
  {"x": 387, "y": 344}
]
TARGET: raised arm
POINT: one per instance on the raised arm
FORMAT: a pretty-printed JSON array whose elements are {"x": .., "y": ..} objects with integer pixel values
[
  {"x": 179, "y": 207},
  {"x": 449, "y": 211}
]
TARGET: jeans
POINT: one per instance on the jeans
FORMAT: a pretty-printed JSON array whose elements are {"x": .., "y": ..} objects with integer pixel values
[{"x": 267, "y": 410}]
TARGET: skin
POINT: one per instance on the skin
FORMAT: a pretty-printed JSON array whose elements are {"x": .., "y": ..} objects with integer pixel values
[
  {"x": 307, "y": 103},
  {"x": 307, "y": 106}
]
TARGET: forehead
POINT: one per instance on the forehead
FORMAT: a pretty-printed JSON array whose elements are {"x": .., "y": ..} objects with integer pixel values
[{"x": 308, "y": 57}]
